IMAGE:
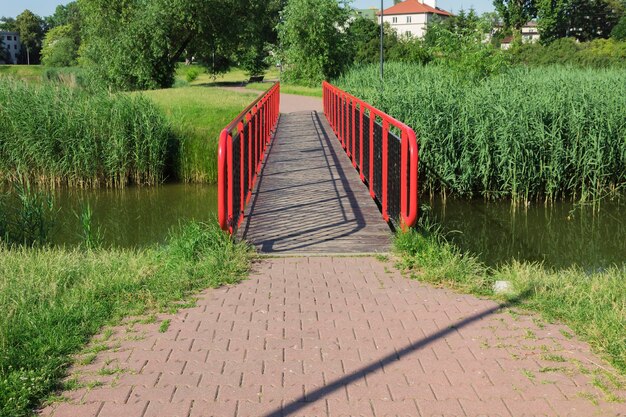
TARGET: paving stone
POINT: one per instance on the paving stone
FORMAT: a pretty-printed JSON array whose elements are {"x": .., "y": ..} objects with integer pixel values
[{"x": 330, "y": 367}]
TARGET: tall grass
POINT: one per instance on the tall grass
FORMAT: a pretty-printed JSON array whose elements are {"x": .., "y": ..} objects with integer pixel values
[
  {"x": 26, "y": 216},
  {"x": 55, "y": 135},
  {"x": 52, "y": 300},
  {"x": 542, "y": 133}
]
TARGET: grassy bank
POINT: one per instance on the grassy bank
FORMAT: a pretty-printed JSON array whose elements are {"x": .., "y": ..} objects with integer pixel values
[
  {"x": 197, "y": 115},
  {"x": 56, "y": 135},
  {"x": 593, "y": 305},
  {"x": 542, "y": 133},
  {"x": 53, "y": 300}
]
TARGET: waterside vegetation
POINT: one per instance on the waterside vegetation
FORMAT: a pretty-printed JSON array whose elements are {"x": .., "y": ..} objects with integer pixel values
[
  {"x": 525, "y": 133},
  {"x": 55, "y": 135}
]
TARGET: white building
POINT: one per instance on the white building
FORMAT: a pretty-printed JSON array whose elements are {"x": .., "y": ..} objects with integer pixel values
[
  {"x": 530, "y": 34},
  {"x": 10, "y": 41},
  {"x": 411, "y": 17}
]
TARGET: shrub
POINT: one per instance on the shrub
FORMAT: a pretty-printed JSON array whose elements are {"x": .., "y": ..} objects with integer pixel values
[
  {"x": 619, "y": 31},
  {"x": 192, "y": 75}
]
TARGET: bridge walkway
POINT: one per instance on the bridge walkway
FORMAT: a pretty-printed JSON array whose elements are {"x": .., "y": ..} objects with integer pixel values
[{"x": 309, "y": 199}]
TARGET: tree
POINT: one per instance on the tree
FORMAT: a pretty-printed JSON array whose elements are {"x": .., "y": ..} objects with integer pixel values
[
  {"x": 254, "y": 55},
  {"x": 5, "y": 58},
  {"x": 31, "y": 30},
  {"x": 583, "y": 20},
  {"x": 8, "y": 24},
  {"x": 515, "y": 13},
  {"x": 60, "y": 47},
  {"x": 68, "y": 14},
  {"x": 313, "y": 35},
  {"x": 619, "y": 31},
  {"x": 136, "y": 44}
]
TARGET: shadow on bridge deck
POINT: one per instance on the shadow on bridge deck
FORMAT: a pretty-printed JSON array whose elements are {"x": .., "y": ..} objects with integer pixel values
[{"x": 309, "y": 198}]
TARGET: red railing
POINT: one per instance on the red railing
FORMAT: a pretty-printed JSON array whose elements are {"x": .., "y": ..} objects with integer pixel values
[
  {"x": 241, "y": 151},
  {"x": 383, "y": 150}
]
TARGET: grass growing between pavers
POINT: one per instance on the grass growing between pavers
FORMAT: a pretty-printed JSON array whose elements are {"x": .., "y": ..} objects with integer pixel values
[
  {"x": 592, "y": 304},
  {"x": 197, "y": 115},
  {"x": 52, "y": 300}
]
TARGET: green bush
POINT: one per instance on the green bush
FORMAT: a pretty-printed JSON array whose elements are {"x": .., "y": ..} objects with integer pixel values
[
  {"x": 599, "y": 53},
  {"x": 54, "y": 135},
  {"x": 192, "y": 74},
  {"x": 619, "y": 31},
  {"x": 540, "y": 133}
]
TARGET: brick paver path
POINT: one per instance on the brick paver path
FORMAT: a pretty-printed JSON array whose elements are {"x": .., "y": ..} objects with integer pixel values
[{"x": 341, "y": 337}]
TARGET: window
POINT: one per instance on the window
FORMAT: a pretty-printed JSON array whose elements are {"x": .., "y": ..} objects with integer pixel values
[
  {"x": 394, "y": 20},
  {"x": 15, "y": 46},
  {"x": 1, "y": 38},
  {"x": 408, "y": 33},
  {"x": 9, "y": 38},
  {"x": 408, "y": 19}
]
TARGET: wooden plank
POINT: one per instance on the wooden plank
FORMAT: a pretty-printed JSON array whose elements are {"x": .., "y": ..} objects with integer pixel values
[{"x": 309, "y": 198}]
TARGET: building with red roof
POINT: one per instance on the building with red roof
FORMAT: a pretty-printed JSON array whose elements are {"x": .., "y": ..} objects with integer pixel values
[{"x": 411, "y": 17}]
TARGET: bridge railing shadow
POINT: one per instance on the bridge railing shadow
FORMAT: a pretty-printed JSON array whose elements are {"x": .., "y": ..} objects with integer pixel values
[{"x": 322, "y": 392}]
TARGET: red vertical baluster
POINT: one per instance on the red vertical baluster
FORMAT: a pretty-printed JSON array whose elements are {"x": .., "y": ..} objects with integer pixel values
[
  {"x": 230, "y": 183},
  {"x": 361, "y": 111},
  {"x": 385, "y": 173},
  {"x": 371, "y": 145},
  {"x": 353, "y": 133},
  {"x": 242, "y": 185},
  {"x": 250, "y": 163},
  {"x": 404, "y": 151},
  {"x": 222, "y": 180}
]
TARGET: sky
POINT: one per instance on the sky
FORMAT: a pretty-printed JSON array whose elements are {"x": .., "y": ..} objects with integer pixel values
[{"x": 12, "y": 8}]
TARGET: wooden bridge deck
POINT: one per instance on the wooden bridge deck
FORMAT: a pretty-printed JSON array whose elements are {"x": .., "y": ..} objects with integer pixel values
[{"x": 309, "y": 198}]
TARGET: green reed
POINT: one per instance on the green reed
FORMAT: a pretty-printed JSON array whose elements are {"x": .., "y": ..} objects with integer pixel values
[
  {"x": 55, "y": 135},
  {"x": 541, "y": 133}
]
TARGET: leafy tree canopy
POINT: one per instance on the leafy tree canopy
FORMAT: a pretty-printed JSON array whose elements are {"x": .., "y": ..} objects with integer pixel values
[
  {"x": 515, "y": 13},
  {"x": 314, "y": 39},
  {"x": 60, "y": 48},
  {"x": 31, "y": 29},
  {"x": 583, "y": 20},
  {"x": 136, "y": 44},
  {"x": 8, "y": 24},
  {"x": 619, "y": 31},
  {"x": 68, "y": 14}
]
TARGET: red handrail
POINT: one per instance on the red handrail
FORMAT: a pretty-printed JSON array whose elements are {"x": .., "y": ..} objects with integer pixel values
[
  {"x": 337, "y": 105},
  {"x": 249, "y": 133}
]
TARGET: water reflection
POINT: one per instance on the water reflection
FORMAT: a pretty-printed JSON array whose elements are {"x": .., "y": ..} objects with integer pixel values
[
  {"x": 559, "y": 235},
  {"x": 133, "y": 216}
]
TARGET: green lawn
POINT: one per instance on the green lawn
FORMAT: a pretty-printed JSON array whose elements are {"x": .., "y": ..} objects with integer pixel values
[
  {"x": 237, "y": 76},
  {"x": 289, "y": 89},
  {"x": 24, "y": 72},
  {"x": 53, "y": 300},
  {"x": 198, "y": 114}
]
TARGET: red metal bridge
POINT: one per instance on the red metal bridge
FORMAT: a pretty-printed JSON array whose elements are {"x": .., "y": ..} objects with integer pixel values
[{"x": 312, "y": 182}]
